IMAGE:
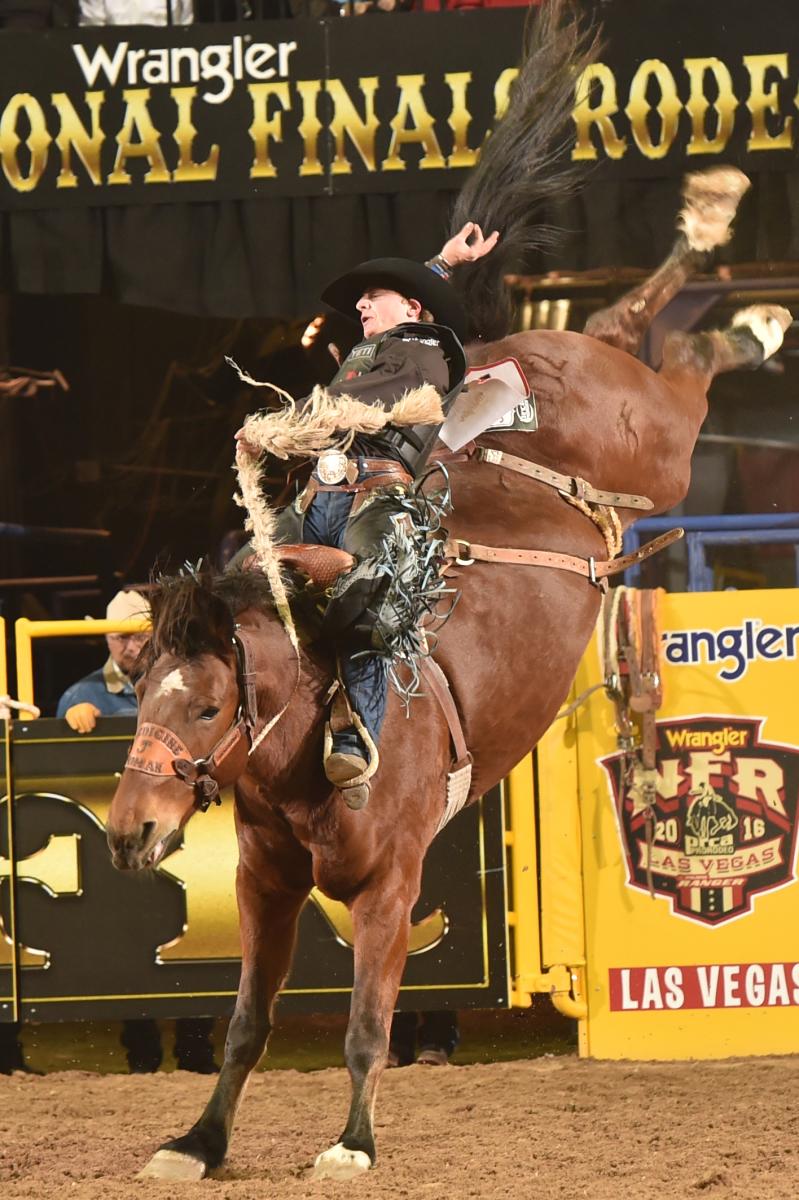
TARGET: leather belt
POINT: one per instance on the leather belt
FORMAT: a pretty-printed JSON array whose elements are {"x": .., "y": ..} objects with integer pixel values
[
  {"x": 364, "y": 485},
  {"x": 595, "y": 571},
  {"x": 385, "y": 465},
  {"x": 390, "y": 473}
]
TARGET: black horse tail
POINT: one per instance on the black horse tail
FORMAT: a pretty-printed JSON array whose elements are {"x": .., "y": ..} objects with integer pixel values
[{"x": 524, "y": 164}]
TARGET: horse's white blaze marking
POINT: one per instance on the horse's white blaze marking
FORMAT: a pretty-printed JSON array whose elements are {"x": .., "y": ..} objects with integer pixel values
[
  {"x": 173, "y": 682},
  {"x": 171, "y": 1164},
  {"x": 340, "y": 1163}
]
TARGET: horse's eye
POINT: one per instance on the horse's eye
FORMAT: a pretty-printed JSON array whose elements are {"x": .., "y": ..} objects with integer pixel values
[{"x": 208, "y": 714}]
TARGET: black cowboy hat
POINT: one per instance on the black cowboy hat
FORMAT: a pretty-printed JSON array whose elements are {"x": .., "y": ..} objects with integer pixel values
[{"x": 411, "y": 279}]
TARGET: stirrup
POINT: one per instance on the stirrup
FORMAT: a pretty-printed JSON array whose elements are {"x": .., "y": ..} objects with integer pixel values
[
  {"x": 342, "y": 767},
  {"x": 355, "y": 791},
  {"x": 356, "y": 795},
  {"x": 342, "y": 714}
]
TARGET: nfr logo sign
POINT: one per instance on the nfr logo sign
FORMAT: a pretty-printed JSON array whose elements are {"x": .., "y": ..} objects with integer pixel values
[{"x": 725, "y": 816}]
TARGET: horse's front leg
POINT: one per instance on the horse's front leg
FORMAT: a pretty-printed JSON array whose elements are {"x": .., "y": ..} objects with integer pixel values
[
  {"x": 381, "y": 918},
  {"x": 268, "y": 926}
]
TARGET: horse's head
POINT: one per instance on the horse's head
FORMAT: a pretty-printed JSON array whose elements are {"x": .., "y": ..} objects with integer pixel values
[{"x": 196, "y": 696}]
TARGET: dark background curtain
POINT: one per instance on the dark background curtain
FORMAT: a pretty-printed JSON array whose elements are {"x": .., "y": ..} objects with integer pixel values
[{"x": 272, "y": 257}]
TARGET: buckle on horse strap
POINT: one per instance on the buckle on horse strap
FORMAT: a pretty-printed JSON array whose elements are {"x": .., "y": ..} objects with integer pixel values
[
  {"x": 194, "y": 772},
  {"x": 576, "y": 489},
  {"x": 464, "y": 562},
  {"x": 598, "y": 581}
]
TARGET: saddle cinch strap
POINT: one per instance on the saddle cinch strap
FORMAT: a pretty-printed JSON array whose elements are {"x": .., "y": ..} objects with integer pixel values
[
  {"x": 459, "y": 776},
  {"x": 464, "y": 553}
]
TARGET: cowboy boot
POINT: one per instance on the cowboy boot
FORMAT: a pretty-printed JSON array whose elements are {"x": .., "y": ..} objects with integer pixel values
[
  {"x": 346, "y": 763},
  {"x": 346, "y": 756}
]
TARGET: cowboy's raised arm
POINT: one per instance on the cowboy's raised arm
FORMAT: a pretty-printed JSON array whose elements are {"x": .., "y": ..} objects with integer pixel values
[{"x": 467, "y": 245}]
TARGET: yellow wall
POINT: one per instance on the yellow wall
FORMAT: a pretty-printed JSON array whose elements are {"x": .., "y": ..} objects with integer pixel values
[{"x": 741, "y": 836}]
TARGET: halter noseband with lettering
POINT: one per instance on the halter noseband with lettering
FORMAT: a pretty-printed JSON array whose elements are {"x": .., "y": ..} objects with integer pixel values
[{"x": 159, "y": 751}]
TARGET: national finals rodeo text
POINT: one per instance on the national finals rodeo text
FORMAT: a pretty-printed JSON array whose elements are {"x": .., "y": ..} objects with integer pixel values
[{"x": 150, "y": 115}]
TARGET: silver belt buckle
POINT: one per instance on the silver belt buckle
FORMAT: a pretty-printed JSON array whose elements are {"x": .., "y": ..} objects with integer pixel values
[{"x": 331, "y": 466}]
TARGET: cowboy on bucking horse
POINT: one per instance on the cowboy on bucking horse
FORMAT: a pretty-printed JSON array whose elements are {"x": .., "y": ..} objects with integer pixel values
[{"x": 413, "y": 326}]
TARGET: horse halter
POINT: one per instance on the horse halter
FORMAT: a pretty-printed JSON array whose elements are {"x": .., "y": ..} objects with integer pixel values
[{"x": 159, "y": 751}]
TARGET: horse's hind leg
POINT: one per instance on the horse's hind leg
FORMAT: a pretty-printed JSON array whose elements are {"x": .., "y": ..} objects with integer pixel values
[
  {"x": 381, "y": 916},
  {"x": 268, "y": 925},
  {"x": 754, "y": 334},
  {"x": 710, "y": 202}
]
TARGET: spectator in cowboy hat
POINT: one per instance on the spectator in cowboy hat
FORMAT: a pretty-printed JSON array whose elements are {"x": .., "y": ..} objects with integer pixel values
[{"x": 108, "y": 691}]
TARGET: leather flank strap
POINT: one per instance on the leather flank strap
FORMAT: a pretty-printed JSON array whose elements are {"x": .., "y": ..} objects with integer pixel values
[{"x": 594, "y": 570}]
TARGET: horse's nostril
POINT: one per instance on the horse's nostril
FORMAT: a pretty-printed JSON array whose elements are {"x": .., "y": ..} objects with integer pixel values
[{"x": 128, "y": 849}]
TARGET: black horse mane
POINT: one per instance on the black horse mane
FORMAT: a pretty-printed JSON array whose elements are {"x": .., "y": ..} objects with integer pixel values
[
  {"x": 195, "y": 612},
  {"x": 524, "y": 164}
]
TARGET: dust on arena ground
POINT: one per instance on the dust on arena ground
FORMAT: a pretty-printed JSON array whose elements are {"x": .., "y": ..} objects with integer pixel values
[{"x": 544, "y": 1127}]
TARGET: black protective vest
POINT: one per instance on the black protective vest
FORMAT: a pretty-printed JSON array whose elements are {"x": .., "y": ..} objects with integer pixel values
[
  {"x": 360, "y": 358},
  {"x": 413, "y": 442}
]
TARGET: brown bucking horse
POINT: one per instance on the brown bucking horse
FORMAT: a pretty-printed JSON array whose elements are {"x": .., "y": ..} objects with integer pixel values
[{"x": 220, "y": 657}]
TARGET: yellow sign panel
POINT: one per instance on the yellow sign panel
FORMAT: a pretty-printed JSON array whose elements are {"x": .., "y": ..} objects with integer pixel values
[{"x": 706, "y": 965}]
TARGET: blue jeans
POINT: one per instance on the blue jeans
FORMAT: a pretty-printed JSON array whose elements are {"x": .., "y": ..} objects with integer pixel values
[{"x": 328, "y": 522}]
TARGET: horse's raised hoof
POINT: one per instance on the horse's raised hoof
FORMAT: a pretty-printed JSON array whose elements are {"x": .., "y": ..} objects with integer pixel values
[
  {"x": 711, "y": 200},
  {"x": 174, "y": 1166},
  {"x": 340, "y": 1163},
  {"x": 766, "y": 322}
]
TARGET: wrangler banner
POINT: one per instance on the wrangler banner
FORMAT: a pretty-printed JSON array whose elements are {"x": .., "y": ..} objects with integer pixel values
[
  {"x": 692, "y": 906},
  {"x": 282, "y": 108}
]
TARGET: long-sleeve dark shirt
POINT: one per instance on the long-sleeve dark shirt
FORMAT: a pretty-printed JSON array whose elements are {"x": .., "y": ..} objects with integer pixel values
[{"x": 398, "y": 363}]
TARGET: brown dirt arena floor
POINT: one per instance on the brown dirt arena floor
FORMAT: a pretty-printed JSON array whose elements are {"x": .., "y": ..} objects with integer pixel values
[{"x": 546, "y": 1127}]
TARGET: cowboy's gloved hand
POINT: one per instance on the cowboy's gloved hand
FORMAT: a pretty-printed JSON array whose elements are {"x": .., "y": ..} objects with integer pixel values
[
  {"x": 460, "y": 249},
  {"x": 82, "y": 717},
  {"x": 247, "y": 448}
]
